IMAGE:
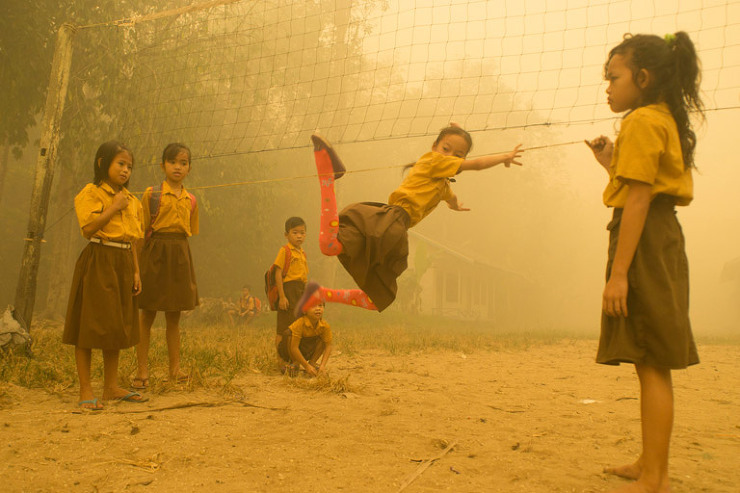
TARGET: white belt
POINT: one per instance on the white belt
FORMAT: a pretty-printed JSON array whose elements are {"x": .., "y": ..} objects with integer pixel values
[{"x": 124, "y": 246}]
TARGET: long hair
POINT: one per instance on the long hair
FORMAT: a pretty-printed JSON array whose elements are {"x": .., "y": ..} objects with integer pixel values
[
  {"x": 451, "y": 130},
  {"x": 104, "y": 157},
  {"x": 675, "y": 69}
]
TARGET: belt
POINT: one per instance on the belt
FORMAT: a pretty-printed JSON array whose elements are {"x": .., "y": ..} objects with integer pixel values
[{"x": 124, "y": 246}]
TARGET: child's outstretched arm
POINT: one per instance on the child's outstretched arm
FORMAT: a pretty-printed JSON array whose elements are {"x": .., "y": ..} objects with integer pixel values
[
  {"x": 603, "y": 148},
  {"x": 485, "y": 162},
  {"x": 614, "y": 300},
  {"x": 325, "y": 357}
]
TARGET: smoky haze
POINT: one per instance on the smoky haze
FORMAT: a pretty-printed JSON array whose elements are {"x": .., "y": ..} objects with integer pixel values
[{"x": 543, "y": 222}]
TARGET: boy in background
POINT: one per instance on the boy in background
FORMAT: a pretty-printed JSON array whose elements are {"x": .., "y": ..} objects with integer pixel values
[{"x": 290, "y": 279}]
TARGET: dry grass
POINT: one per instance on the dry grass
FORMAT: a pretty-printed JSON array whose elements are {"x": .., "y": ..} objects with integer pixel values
[{"x": 215, "y": 354}]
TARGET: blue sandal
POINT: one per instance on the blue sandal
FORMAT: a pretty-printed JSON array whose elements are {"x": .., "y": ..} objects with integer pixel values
[{"x": 94, "y": 402}]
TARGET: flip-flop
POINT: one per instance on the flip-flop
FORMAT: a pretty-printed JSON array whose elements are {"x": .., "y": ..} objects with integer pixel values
[
  {"x": 140, "y": 383},
  {"x": 94, "y": 402},
  {"x": 130, "y": 398},
  {"x": 320, "y": 143}
]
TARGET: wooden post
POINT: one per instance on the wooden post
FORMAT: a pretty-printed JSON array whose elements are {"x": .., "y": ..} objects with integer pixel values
[{"x": 25, "y": 294}]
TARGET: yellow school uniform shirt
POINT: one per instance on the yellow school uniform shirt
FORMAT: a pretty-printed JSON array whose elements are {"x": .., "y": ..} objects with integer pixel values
[
  {"x": 176, "y": 214},
  {"x": 304, "y": 328},
  {"x": 427, "y": 183},
  {"x": 648, "y": 150},
  {"x": 124, "y": 226},
  {"x": 298, "y": 268}
]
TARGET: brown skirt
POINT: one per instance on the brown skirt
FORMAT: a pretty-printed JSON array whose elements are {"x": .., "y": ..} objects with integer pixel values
[
  {"x": 293, "y": 291},
  {"x": 657, "y": 331},
  {"x": 375, "y": 248},
  {"x": 102, "y": 312},
  {"x": 167, "y": 274}
]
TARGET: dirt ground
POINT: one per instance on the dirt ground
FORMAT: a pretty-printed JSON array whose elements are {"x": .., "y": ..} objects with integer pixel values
[{"x": 542, "y": 419}]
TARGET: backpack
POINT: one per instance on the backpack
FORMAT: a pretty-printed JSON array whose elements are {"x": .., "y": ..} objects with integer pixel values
[
  {"x": 154, "y": 200},
  {"x": 271, "y": 289}
]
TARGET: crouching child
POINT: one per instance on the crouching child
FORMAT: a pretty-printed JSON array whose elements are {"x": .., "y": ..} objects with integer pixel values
[{"x": 308, "y": 339}]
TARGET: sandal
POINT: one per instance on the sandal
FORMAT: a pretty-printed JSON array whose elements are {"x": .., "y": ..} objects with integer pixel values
[{"x": 320, "y": 143}]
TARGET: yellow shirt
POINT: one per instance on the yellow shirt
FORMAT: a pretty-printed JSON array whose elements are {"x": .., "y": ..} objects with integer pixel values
[
  {"x": 427, "y": 183},
  {"x": 124, "y": 226},
  {"x": 304, "y": 328},
  {"x": 298, "y": 268},
  {"x": 648, "y": 150},
  {"x": 174, "y": 214}
]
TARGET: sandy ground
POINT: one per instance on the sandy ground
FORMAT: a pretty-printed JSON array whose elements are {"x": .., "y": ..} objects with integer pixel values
[{"x": 543, "y": 419}]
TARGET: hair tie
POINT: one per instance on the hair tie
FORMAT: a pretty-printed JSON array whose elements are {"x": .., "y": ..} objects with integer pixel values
[{"x": 669, "y": 38}]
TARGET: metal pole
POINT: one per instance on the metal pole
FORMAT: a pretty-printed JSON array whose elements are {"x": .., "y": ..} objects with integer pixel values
[{"x": 25, "y": 294}]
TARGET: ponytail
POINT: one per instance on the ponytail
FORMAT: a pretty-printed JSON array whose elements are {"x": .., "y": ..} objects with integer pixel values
[{"x": 674, "y": 66}]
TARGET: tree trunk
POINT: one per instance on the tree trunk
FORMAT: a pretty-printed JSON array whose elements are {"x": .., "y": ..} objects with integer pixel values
[
  {"x": 4, "y": 156},
  {"x": 61, "y": 239}
]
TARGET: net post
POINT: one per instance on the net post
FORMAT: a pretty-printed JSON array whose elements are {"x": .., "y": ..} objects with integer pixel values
[{"x": 25, "y": 295}]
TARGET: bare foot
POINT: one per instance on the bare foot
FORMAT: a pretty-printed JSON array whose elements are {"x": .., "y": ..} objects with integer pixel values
[
  {"x": 629, "y": 471},
  {"x": 119, "y": 393},
  {"x": 638, "y": 487}
]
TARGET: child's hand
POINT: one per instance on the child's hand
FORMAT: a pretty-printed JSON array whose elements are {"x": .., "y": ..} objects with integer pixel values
[
  {"x": 137, "y": 284},
  {"x": 602, "y": 147},
  {"x": 311, "y": 370},
  {"x": 455, "y": 205},
  {"x": 614, "y": 299},
  {"x": 511, "y": 157},
  {"x": 120, "y": 201},
  {"x": 283, "y": 303}
]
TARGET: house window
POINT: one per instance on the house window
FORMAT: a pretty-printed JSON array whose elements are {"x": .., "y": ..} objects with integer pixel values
[{"x": 452, "y": 287}]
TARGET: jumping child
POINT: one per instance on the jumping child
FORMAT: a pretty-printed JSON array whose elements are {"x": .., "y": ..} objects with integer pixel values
[
  {"x": 102, "y": 311},
  {"x": 167, "y": 274},
  {"x": 290, "y": 278},
  {"x": 645, "y": 304},
  {"x": 370, "y": 238}
]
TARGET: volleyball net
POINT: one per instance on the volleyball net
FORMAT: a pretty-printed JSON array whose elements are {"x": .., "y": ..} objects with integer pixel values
[{"x": 249, "y": 76}]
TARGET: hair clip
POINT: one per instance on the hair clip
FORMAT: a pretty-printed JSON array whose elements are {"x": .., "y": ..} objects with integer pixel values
[{"x": 669, "y": 38}]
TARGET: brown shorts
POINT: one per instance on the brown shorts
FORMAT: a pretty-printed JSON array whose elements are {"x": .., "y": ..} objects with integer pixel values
[
  {"x": 102, "y": 312},
  {"x": 657, "y": 331},
  {"x": 375, "y": 248},
  {"x": 307, "y": 346},
  {"x": 293, "y": 291},
  {"x": 167, "y": 274}
]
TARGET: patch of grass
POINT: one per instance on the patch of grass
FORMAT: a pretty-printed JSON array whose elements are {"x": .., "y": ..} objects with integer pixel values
[{"x": 216, "y": 354}]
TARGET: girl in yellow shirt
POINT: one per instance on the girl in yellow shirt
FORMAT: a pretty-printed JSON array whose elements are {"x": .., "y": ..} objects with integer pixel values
[
  {"x": 371, "y": 239},
  {"x": 645, "y": 303},
  {"x": 167, "y": 273},
  {"x": 102, "y": 311}
]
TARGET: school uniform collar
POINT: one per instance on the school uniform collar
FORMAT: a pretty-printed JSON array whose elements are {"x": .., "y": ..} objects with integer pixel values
[
  {"x": 307, "y": 323},
  {"x": 166, "y": 188},
  {"x": 109, "y": 189},
  {"x": 294, "y": 248}
]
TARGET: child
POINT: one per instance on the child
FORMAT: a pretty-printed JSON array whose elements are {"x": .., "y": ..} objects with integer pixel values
[
  {"x": 645, "y": 319},
  {"x": 247, "y": 308},
  {"x": 290, "y": 279},
  {"x": 167, "y": 274},
  {"x": 371, "y": 239},
  {"x": 307, "y": 338},
  {"x": 102, "y": 309}
]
